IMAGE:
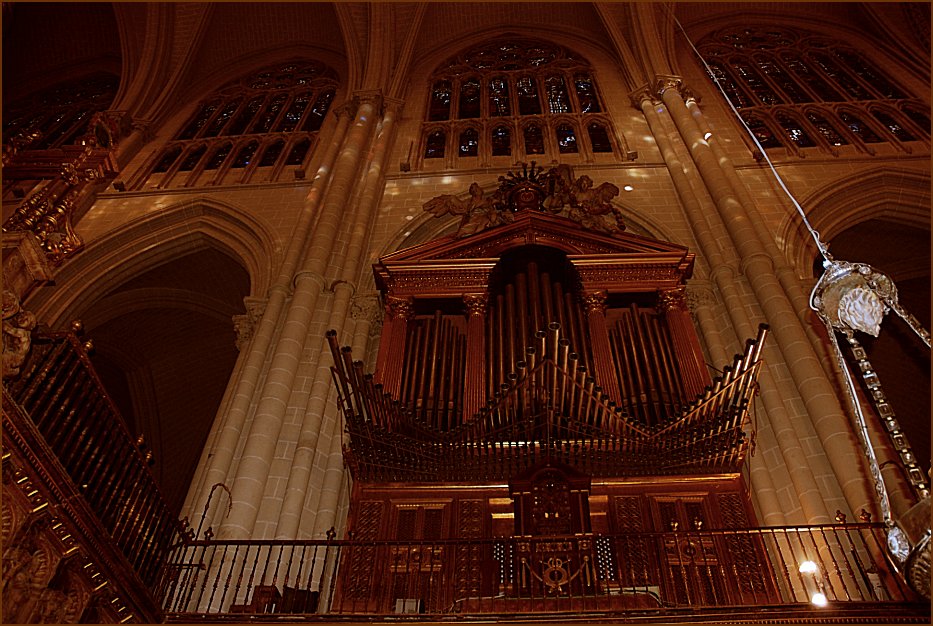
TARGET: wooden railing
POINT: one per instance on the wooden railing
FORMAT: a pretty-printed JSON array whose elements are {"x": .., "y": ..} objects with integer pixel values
[
  {"x": 61, "y": 397},
  {"x": 822, "y": 569}
]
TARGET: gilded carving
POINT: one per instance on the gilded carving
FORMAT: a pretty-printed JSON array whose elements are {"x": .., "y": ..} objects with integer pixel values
[
  {"x": 17, "y": 334},
  {"x": 673, "y": 299},
  {"x": 476, "y": 304},
  {"x": 400, "y": 308},
  {"x": 555, "y": 191},
  {"x": 595, "y": 302}
]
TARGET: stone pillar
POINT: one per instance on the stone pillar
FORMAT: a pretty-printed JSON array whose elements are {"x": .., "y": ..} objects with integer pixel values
[
  {"x": 723, "y": 276},
  {"x": 474, "y": 392},
  {"x": 603, "y": 362},
  {"x": 814, "y": 387},
  {"x": 319, "y": 416},
  {"x": 673, "y": 304},
  {"x": 217, "y": 457},
  {"x": 259, "y": 450}
]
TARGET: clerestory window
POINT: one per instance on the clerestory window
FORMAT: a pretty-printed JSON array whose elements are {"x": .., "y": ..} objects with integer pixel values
[
  {"x": 515, "y": 98},
  {"x": 800, "y": 90},
  {"x": 59, "y": 116},
  {"x": 259, "y": 128}
]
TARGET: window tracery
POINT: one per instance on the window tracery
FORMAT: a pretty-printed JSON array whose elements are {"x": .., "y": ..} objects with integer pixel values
[
  {"x": 249, "y": 130},
  {"x": 800, "y": 90},
  {"x": 521, "y": 97},
  {"x": 61, "y": 113}
]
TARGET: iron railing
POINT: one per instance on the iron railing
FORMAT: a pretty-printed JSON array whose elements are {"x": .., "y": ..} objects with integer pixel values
[{"x": 624, "y": 574}]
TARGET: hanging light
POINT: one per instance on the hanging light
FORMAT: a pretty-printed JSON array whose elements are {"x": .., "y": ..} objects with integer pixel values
[{"x": 852, "y": 297}]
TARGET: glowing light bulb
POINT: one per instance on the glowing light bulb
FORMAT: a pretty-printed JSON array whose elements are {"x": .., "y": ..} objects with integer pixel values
[
  {"x": 818, "y": 599},
  {"x": 628, "y": 188},
  {"x": 807, "y": 567},
  {"x": 707, "y": 135}
]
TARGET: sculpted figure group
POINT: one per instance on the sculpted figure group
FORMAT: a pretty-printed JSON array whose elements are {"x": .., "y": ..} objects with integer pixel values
[{"x": 580, "y": 201}]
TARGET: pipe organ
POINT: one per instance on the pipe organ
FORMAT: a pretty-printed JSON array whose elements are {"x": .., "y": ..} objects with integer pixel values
[{"x": 529, "y": 359}]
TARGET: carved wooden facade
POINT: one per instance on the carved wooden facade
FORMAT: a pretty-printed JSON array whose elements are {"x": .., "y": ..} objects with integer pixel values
[{"x": 541, "y": 381}]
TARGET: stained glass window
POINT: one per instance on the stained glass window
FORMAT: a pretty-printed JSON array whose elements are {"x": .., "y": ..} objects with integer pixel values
[
  {"x": 586, "y": 93},
  {"x": 436, "y": 145},
  {"x": 762, "y": 133},
  {"x": 218, "y": 157},
  {"x": 296, "y": 155},
  {"x": 469, "y": 142},
  {"x": 795, "y": 131},
  {"x": 557, "y": 99},
  {"x": 859, "y": 128},
  {"x": 290, "y": 98},
  {"x": 61, "y": 112},
  {"x": 528, "y": 102},
  {"x": 513, "y": 78},
  {"x": 191, "y": 159},
  {"x": 919, "y": 118},
  {"x": 566, "y": 139},
  {"x": 783, "y": 66},
  {"x": 271, "y": 154},
  {"x": 440, "y": 101},
  {"x": 245, "y": 155},
  {"x": 469, "y": 99},
  {"x": 534, "y": 139},
  {"x": 826, "y": 129},
  {"x": 501, "y": 141},
  {"x": 894, "y": 126},
  {"x": 167, "y": 160},
  {"x": 296, "y": 109},
  {"x": 499, "y": 97},
  {"x": 319, "y": 110},
  {"x": 199, "y": 121},
  {"x": 599, "y": 138}
]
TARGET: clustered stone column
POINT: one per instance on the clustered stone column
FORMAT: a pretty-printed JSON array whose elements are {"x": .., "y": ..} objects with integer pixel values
[{"x": 757, "y": 266}]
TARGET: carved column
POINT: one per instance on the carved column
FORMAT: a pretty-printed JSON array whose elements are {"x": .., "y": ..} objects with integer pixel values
[
  {"x": 595, "y": 302},
  {"x": 673, "y": 304},
  {"x": 392, "y": 353},
  {"x": 475, "y": 382}
]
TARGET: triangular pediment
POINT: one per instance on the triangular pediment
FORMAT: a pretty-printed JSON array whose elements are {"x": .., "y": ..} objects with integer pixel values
[
  {"x": 451, "y": 264},
  {"x": 534, "y": 228}
]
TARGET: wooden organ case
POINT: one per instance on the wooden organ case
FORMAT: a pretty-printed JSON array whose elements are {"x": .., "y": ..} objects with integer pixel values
[{"x": 541, "y": 422}]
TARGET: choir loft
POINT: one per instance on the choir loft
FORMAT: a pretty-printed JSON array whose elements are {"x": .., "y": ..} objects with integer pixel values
[{"x": 466, "y": 311}]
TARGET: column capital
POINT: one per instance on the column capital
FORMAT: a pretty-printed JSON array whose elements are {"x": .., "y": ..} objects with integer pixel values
[
  {"x": 400, "y": 308},
  {"x": 347, "y": 109},
  {"x": 365, "y": 307},
  {"x": 595, "y": 301},
  {"x": 665, "y": 82},
  {"x": 476, "y": 303},
  {"x": 642, "y": 94},
  {"x": 673, "y": 299},
  {"x": 370, "y": 96}
]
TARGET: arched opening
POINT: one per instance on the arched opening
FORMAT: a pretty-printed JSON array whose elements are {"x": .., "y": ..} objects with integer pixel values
[{"x": 165, "y": 349}]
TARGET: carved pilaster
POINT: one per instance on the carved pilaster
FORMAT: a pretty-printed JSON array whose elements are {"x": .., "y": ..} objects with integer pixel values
[
  {"x": 673, "y": 304},
  {"x": 474, "y": 390},
  {"x": 392, "y": 350}
]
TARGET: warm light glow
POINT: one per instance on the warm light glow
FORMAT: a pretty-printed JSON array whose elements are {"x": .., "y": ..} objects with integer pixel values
[
  {"x": 818, "y": 599},
  {"x": 808, "y": 567},
  {"x": 707, "y": 135},
  {"x": 628, "y": 188}
]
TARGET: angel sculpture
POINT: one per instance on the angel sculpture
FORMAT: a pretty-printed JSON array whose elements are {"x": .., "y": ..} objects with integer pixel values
[
  {"x": 479, "y": 212},
  {"x": 589, "y": 205},
  {"x": 560, "y": 188}
]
